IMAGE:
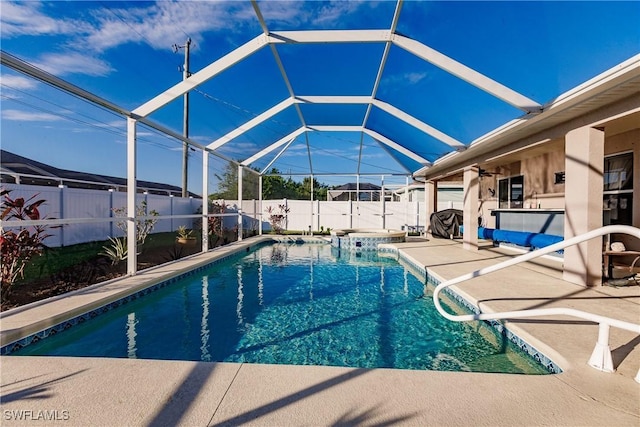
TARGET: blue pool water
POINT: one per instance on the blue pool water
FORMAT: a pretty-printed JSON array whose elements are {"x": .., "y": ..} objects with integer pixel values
[{"x": 294, "y": 304}]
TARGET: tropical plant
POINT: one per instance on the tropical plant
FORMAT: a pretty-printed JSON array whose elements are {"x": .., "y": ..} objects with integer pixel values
[
  {"x": 184, "y": 232},
  {"x": 216, "y": 223},
  {"x": 117, "y": 251},
  {"x": 20, "y": 246},
  {"x": 143, "y": 225},
  {"x": 174, "y": 253},
  {"x": 278, "y": 218}
]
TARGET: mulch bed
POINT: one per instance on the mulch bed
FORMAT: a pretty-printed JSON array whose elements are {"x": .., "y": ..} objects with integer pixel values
[{"x": 96, "y": 270}]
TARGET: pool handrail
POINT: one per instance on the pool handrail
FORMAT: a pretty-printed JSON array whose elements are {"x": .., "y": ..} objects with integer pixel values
[{"x": 601, "y": 357}]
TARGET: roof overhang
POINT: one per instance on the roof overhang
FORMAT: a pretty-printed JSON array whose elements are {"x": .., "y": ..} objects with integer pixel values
[{"x": 611, "y": 94}]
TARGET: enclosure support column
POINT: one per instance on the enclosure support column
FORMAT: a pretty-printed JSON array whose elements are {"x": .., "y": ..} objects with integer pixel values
[
  {"x": 239, "y": 202},
  {"x": 259, "y": 205},
  {"x": 584, "y": 153},
  {"x": 311, "y": 224},
  {"x": 357, "y": 201},
  {"x": 205, "y": 200},
  {"x": 430, "y": 188},
  {"x": 382, "y": 213},
  {"x": 408, "y": 203},
  {"x": 470, "y": 210},
  {"x": 132, "y": 244}
]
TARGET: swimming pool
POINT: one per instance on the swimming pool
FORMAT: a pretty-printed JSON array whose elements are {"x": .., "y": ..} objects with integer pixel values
[{"x": 304, "y": 304}]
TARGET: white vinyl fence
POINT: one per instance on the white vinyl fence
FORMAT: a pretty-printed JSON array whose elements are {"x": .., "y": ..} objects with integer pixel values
[
  {"x": 355, "y": 214},
  {"x": 71, "y": 203}
]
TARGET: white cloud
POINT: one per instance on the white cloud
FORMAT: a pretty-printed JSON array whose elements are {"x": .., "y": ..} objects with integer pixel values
[
  {"x": 17, "y": 82},
  {"x": 27, "y": 18},
  {"x": 284, "y": 12},
  {"x": 26, "y": 116},
  {"x": 239, "y": 148},
  {"x": 334, "y": 11},
  {"x": 73, "y": 63},
  {"x": 375, "y": 156},
  {"x": 405, "y": 78},
  {"x": 294, "y": 14},
  {"x": 158, "y": 25},
  {"x": 415, "y": 77}
]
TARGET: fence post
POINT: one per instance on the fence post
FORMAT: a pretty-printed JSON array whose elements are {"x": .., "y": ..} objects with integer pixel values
[
  {"x": 171, "y": 197},
  {"x": 111, "y": 191},
  {"x": 62, "y": 187},
  {"x": 286, "y": 216}
]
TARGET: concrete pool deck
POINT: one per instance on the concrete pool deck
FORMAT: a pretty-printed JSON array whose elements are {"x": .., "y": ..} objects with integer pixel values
[{"x": 118, "y": 392}]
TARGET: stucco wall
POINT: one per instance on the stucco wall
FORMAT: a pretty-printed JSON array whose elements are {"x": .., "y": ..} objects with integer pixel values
[{"x": 539, "y": 179}]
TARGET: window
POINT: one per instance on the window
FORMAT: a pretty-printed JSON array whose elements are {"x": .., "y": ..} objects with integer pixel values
[
  {"x": 618, "y": 189},
  {"x": 511, "y": 192}
]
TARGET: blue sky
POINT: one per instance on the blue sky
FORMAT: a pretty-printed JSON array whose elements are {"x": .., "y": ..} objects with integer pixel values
[{"x": 122, "y": 51}]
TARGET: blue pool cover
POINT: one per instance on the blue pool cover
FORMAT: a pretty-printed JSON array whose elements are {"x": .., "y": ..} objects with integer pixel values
[{"x": 520, "y": 238}]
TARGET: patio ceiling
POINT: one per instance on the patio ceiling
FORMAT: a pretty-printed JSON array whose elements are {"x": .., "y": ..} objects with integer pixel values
[{"x": 357, "y": 106}]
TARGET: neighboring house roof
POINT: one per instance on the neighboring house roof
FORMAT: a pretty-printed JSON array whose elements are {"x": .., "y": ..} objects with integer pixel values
[
  {"x": 352, "y": 186},
  {"x": 33, "y": 172}
]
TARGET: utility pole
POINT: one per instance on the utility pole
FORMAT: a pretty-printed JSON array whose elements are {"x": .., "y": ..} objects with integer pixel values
[{"x": 185, "y": 125}]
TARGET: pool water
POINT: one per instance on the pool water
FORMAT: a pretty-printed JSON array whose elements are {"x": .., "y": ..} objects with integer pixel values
[{"x": 294, "y": 304}]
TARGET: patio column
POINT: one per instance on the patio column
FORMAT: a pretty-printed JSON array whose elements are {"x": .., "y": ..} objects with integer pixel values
[
  {"x": 584, "y": 164},
  {"x": 205, "y": 201},
  {"x": 132, "y": 244},
  {"x": 470, "y": 209},
  {"x": 430, "y": 191}
]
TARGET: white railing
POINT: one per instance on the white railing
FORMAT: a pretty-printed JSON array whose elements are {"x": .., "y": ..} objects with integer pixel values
[{"x": 601, "y": 357}]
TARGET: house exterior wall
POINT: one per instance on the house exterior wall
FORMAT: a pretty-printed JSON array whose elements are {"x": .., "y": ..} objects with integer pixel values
[{"x": 539, "y": 177}]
